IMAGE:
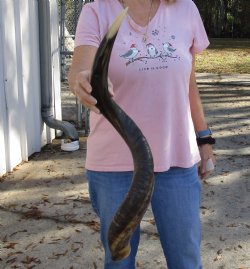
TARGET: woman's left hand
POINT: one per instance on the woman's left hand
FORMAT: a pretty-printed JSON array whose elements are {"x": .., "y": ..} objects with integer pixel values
[{"x": 206, "y": 153}]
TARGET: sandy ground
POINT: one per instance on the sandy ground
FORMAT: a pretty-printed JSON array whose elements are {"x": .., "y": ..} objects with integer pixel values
[{"x": 46, "y": 220}]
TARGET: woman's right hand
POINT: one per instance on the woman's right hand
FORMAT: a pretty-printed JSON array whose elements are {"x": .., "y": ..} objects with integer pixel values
[{"x": 82, "y": 89}]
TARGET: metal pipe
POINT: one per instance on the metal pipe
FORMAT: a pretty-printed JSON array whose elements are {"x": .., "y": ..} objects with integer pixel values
[{"x": 47, "y": 104}]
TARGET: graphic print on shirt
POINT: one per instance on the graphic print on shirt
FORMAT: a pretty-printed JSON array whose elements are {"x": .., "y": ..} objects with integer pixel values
[
  {"x": 131, "y": 53},
  {"x": 157, "y": 50}
]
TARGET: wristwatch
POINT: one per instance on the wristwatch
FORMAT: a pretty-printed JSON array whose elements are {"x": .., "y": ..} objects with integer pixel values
[{"x": 204, "y": 133}]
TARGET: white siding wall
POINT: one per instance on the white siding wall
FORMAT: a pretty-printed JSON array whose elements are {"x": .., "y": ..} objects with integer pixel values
[
  {"x": 22, "y": 131},
  {"x": 3, "y": 121}
]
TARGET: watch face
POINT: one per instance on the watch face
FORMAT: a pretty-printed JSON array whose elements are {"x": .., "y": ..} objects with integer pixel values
[{"x": 202, "y": 133}]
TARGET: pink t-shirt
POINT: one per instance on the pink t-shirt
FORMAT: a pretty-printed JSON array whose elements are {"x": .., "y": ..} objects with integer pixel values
[{"x": 151, "y": 83}]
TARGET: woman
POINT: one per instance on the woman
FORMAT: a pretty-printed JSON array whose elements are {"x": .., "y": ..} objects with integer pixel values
[{"x": 152, "y": 77}]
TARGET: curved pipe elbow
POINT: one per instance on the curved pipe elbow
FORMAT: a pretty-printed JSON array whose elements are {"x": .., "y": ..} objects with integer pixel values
[{"x": 67, "y": 128}]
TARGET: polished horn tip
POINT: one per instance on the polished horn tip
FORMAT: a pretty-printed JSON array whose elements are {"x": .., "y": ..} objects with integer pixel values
[
  {"x": 116, "y": 24},
  {"x": 118, "y": 255}
]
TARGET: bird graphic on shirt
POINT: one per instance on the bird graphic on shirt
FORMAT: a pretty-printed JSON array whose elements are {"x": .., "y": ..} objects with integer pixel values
[
  {"x": 168, "y": 47},
  {"x": 131, "y": 53},
  {"x": 152, "y": 51}
]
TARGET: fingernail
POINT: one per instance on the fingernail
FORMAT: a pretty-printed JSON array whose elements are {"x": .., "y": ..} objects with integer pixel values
[
  {"x": 93, "y": 100},
  {"x": 95, "y": 109}
]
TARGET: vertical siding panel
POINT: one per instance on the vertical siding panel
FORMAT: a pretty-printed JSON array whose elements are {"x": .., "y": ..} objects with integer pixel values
[
  {"x": 12, "y": 141},
  {"x": 3, "y": 119},
  {"x": 20, "y": 78},
  {"x": 34, "y": 80},
  {"x": 31, "y": 76},
  {"x": 3, "y": 161}
]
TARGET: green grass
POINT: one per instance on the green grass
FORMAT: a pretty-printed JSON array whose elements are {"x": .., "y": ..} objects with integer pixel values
[{"x": 225, "y": 56}]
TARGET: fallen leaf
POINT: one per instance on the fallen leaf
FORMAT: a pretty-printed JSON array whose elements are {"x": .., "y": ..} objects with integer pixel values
[
  {"x": 219, "y": 251},
  {"x": 222, "y": 238},
  {"x": 23, "y": 231},
  {"x": 45, "y": 200},
  {"x": 217, "y": 258},
  {"x": 33, "y": 213},
  {"x": 11, "y": 245},
  {"x": 75, "y": 249},
  {"x": 94, "y": 225},
  {"x": 32, "y": 266},
  {"x": 29, "y": 260},
  {"x": 62, "y": 203},
  {"x": 5, "y": 239},
  {"x": 14, "y": 205},
  {"x": 138, "y": 264},
  {"x": 80, "y": 243},
  {"x": 152, "y": 221},
  {"x": 232, "y": 225},
  {"x": 29, "y": 245},
  {"x": 58, "y": 255},
  {"x": 11, "y": 260},
  {"x": 14, "y": 253}
]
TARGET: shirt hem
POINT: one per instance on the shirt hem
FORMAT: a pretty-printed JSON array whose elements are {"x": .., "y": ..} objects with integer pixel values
[{"x": 127, "y": 168}]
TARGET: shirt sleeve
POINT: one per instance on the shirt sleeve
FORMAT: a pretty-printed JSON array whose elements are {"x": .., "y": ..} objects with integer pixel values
[
  {"x": 88, "y": 30},
  {"x": 200, "y": 38}
]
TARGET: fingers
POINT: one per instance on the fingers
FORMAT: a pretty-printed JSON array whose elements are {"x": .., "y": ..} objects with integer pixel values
[
  {"x": 85, "y": 97},
  {"x": 83, "y": 91},
  {"x": 207, "y": 163},
  {"x": 206, "y": 167}
]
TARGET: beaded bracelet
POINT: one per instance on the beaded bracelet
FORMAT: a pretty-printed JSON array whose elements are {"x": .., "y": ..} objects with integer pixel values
[{"x": 205, "y": 140}]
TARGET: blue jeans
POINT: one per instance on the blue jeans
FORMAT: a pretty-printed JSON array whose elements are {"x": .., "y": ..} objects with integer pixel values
[{"x": 175, "y": 205}]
